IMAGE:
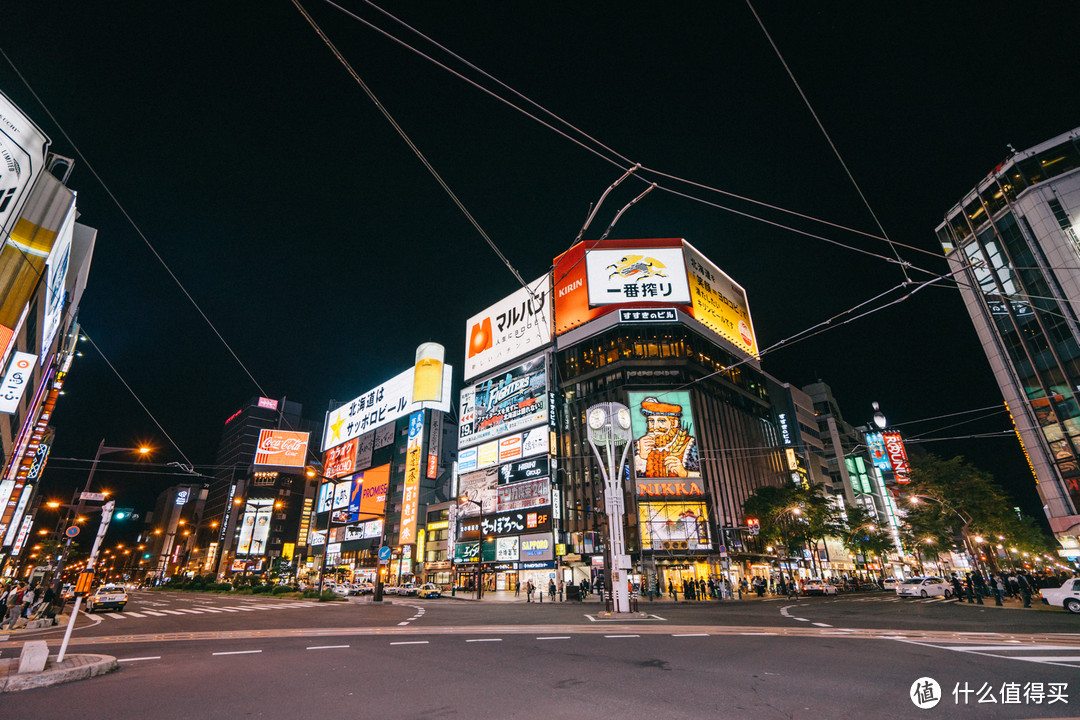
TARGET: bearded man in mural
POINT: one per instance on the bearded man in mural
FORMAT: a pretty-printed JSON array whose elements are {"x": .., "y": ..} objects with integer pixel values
[{"x": 667, "y": 449}]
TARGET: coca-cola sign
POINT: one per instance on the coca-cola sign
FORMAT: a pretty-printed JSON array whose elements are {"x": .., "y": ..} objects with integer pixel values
[{"x": 281, "y": 448}]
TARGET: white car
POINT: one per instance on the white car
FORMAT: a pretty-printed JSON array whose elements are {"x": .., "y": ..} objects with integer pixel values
[
  {"x": 924, "y": 587},
  {"x": 107, "y": 597},
  {"x": 818, "y": 587},
  {"x": 1066, "y": 596},
  {"x": 889, "y": 583}
]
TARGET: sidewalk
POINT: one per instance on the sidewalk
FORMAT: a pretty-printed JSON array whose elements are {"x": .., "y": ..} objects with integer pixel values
[{"x": 74, "y": 667}]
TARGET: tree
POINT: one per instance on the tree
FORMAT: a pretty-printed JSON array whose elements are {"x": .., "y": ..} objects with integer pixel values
[
  {"x": 794, "y": 517},
  {"x": 864, "y": 535}
]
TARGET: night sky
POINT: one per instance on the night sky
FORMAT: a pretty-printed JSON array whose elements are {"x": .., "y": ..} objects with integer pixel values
[{"x": 324, "y": 252}]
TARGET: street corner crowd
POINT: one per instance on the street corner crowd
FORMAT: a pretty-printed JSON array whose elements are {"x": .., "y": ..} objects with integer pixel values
[
  {"x": 26, "y": 603},
  {"x": 1018, "y": 585},
  {"x": 691, "y": 590}
]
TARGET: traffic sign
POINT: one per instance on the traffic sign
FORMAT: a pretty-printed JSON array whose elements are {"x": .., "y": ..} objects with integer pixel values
[
  {"x": 384, "y": 554},
  {"x": 72, "y": 531},
  {"x": 100, "y": 497}
]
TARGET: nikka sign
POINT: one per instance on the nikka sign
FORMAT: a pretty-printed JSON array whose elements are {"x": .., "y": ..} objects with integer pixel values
[{"x": 281, "y": 448}]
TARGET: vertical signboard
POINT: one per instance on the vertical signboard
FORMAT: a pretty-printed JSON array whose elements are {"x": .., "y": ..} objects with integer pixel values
[
  {"x": 876, "y": 444},
  {"x": 15, "y": 380},
  {"x": 410, "y": 497},
  {"x": 894, "y": 446},
  {"x": 718, "y": 302},
  {"x": 22, "y": 158}
]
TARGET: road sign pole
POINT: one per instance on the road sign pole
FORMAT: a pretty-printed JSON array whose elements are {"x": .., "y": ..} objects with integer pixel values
[{"x": 106, "y": 516}]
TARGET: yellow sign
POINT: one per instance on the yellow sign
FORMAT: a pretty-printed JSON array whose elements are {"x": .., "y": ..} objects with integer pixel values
[
  {"x": 719, "y": 302},
  {"x": 287, "y": 551},
  {"x": 443, "y": 525},
  {"x": 421, "y": 539}
]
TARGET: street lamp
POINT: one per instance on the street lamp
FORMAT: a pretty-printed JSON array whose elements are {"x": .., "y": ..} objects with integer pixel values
[
  {"x": 608, "y": 426},
  {"x": 465, "y": 499}
]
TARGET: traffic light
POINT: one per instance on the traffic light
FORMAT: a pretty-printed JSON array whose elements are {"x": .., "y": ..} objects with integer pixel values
[
  {"x": 754, "y": 525},
  {"x": 124, "y": 514}
]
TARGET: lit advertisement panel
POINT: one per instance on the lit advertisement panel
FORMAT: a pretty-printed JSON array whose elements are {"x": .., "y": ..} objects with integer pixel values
[
  {"x": 537, "y": 547},
  {"x": 519, "y": 496},
  {"x": 570, "y": 291},
  {"x": 536, "y": 441},
  {"x": 479, "y": 487},
  {"x": 342, "y": 493},
  {"x": 684, "y": 524},
  {"x": 55, "y": 277},
  {"x": 894, "y": 446},
  {"x": 515, "y": 326},
  {"x": 281, "y": 448},
  {"x": 340, "y": 460},
  {"x": 506, "y": 549},
  {"x": 636, "y": 275},
  {"x": 325, "y": 498},
  {"x": 718, "y": 302},
  {"x": 665, "y": 445},
  {"x": 410, "y": 497},
  {"x": 389, "y": 401},
  {"x": 876, "y": 444},
  {"x": 255, "y": 526},
  {"x": 368, "y": 496},
  {"x": 516, "y": 522},
  {"x": 22, "y": 158},
  {"x": 524, "y": 470},
  {"x": 15, "y": 379},
  {"x": 506, "y": 403}
]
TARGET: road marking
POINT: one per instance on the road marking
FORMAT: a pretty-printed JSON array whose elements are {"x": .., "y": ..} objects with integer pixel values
[
  {"x": 760, "y": 633},
  {"x": 228, "y": 610},
  {"x": 238, "y": 652},
  {"x": 485, "y": 640},
  {"x": 155, "y": 613},
  {"x": 555, "y": 637},
  {"x": 191, "y": 612},
  {"x": 134, "y": 614},
  {"x": 821, "y": 624},
  {"x": 172, "y": 612},
  {"x": 801, "y": 619},
  {"x": 1048, "y": 659},
  {"x": 983, "y": 648},
  {"x": 209, "y": 610},
  {"x": 242, "y": 609},
  {"x": 139, "y": 659},
  {"x": 690, "y": 635},
  {"x": 404, "y": 623},
  {"x": 411, "y": 642},
  {"x": 327, "y": 647},
  {"x": 621, "y": 636},
  {"x": 115, "y": 616}
]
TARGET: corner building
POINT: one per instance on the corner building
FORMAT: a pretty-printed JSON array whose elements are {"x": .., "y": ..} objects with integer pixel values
[
  {"x": 1012, "y": 243},
  {"x": 655, "y": 325}
]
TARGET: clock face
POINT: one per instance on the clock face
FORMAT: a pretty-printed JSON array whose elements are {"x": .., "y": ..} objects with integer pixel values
[
  {"x": 597, "y": 417},
  {"x": 623, "y": 416}
]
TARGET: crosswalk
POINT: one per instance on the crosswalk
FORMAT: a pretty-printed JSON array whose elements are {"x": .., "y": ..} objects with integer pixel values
[
  {"x": 1062, "y": 655},
  {"x": 887, "y": 599},
  {"x": 205, "y": 609}
]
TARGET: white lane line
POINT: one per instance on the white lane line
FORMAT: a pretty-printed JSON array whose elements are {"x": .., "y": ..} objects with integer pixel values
[
  {"x": 1044, "y": 658},
  {"x": 139, "y": 659},
  {"x": 1010, "y": 648},
  {"x": 621, "y": 636},
  {"x": 172, "y": 612},
  {"x": 228, "y": 610},
  {"x": 243, "y": 609},
  {"x": 326, "y": 647},
  {"x": 134, "y": 614},
  {"x": 485, "y": 640},
  {"x": 760, "y": 633},
  {"x": 192, "y": 612},
  {"x": 404, "y": 623},
  {"x": 155, "y": 613},
  {"x": 821, "y": 624},
  {"x": 801, "y": 619},
  {"x": 690, "y": 635},
  {"x": 115, "y": 616},
  {"x": 411, "y": 642},
  {"x": 238, "y": 652},
  {"x": 555, "y": 637},
  {"x": 209, "y": 610}
]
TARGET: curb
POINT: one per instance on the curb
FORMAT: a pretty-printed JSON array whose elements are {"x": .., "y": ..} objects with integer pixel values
[{"x": 74, "y": 667}]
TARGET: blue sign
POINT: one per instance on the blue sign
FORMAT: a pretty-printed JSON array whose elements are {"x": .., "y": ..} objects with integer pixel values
[
  {"x": 72, "y": 531},
  {"x": 537, "y": 565},
  {"x": 384, "y": 552}
]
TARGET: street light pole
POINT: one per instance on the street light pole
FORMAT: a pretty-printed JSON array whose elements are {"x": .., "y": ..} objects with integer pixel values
[
  {"x": 608, "y": 425},
  {"x": 479, "y": 545}
]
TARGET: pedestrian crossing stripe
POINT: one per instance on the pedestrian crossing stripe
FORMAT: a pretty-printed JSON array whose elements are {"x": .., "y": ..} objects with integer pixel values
[{"x": 1013, "y": 652}]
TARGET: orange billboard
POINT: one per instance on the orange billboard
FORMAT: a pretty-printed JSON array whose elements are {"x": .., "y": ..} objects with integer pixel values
[
  {"x": 571, "y": 285},
  {"x": 281, "y": 448}
]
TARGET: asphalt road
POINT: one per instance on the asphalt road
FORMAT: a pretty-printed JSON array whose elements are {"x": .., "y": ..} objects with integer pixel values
[{"x": 854, "y": 656}]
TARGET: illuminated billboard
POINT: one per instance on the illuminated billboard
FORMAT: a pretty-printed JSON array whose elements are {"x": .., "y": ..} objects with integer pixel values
[
  {"x": 410, "y": 498},
  {"x": 665, "y": 445},
  {"x": 515, "y": 326},
  {"x": 15, "y": 379},
  {"x": 894, "y": 446},
  {"x": 636, "y": 275},
  {"x": 281, "y": 448},
  {"x": 719, "y": 303},
  {"x": 674, "y": 526},
  {"x": 504, "y": 404},
  {"x": 367, "y": 497},
  {"x": 519, "y": 496},
  {"x": 22, "y": 158},
  {"x": 876, "y": 444},
  {"x": 55, "y": 277},
  {"x": 255, "y": 526},
  {"x": 377, "y": 407},
  {"x": 519, "y": 445}
]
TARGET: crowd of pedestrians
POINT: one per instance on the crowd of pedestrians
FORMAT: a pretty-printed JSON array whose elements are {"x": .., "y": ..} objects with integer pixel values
[
  {"x": 1019, "y": 584},
  {"x": 23, "y": 601}
]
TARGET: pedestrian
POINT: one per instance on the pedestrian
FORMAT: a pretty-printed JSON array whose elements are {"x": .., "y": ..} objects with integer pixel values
[
  {"x": 727, "y": 588},
  {"x": 584, "y": 588},
  {"x": 783, "y": 586},
  {"x": 969, "y": 587},
  {"x": 701, "y": 589},
  {"x": 517, "y": 588},
  {"x": 528, "y": 591},
  {"x": 712, "y": 588},
  {"x": 551, "y": 590},
  {"x": 1025, "y": 588},
  {"x": 14, "y": 604},
  {"x": 29, "y": 596},
  {"x": 979, "y": 584},
  {"x": 560, "y": 590},
  {"x": 674, "y": 591},
  {"x": 999, "y": 591},
  {"x": 793, "y": 590},
  {"x": 958, "y": 590}
]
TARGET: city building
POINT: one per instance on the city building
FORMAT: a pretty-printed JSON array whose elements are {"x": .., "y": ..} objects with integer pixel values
[
  {"x": 44, "y": 265},
  {"x": 1012, "y": 245},
  {"x": 170, "y": 537},
  {"x": 388, "y": 456},
  {"x": 260, "y": 497}
]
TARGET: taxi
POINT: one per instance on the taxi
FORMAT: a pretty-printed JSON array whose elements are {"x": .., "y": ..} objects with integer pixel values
[{"x": 107, "y": 597}]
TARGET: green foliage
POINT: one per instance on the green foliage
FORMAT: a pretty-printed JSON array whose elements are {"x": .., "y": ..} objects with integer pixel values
[
  {"x": 282, "y": 589},
  {"x": 328, "y": 596},
  {"x": 793, "y": 516}
]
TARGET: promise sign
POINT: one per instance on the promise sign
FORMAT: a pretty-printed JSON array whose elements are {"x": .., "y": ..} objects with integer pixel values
[{"x": 894, "y": 446}]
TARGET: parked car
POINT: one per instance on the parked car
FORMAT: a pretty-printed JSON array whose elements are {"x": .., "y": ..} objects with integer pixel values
[
  {"x": 365, "y": 588},
  {"x": 430, "y": 590},
  {"x": 1066, "y": 596},
  {"x": 924, "y": 587},
  {"x": 817, "y": 586},
  {"x": 107, "y": 597},
  {"x": 889, "y": 583},
  {"x": 341, "y": 589},
  {"x": 408, "y": 589}
]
